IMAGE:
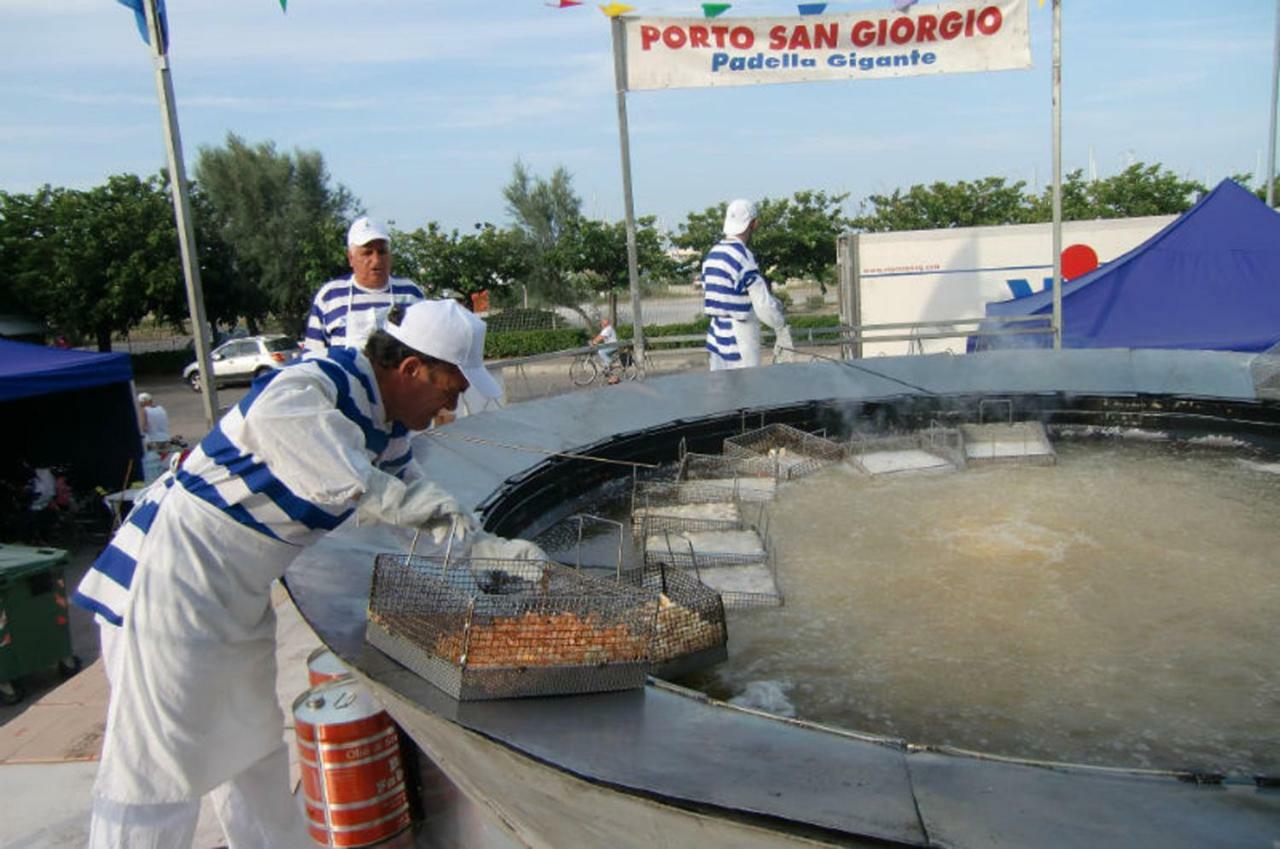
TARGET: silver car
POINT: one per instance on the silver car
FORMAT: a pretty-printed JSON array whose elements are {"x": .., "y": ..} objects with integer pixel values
[{"x": 242, "y": 360}]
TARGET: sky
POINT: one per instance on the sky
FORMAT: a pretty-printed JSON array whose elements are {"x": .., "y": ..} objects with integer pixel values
[{"x": 421, "y": 107}]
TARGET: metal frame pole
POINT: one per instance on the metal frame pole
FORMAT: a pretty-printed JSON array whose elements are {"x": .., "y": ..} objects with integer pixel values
[
  {"x": 182, "y": 213},
  {"x": 1271, "y": 128},
  {"x": 633, "y": 263},
  {"x": 1057, "y": 174}
]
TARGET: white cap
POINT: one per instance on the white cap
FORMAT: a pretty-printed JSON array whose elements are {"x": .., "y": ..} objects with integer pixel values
[
  {"x": 144, "y": 397},
  {"x": 365, "y": 230},
  {"x": 738, "y": 216},
  {"x": 447, "y": 331}
]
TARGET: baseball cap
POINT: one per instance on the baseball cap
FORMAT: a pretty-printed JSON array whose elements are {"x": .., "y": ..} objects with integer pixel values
[
  {"x": 738, "y": 216},
  {"x": 365, "y": 230},
  {"x": 144, "y": 397},
  {"x": 447, "y": 331}
]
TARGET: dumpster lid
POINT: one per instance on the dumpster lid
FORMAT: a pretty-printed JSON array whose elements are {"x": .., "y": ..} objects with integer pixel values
[{"x": 17, "y": 561}]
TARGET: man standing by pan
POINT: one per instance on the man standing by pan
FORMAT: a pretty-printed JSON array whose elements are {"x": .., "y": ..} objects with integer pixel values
[
  {"x": 347, "y": 310},
  {"x": 737, "y": 298},
  {"x": 182, "y": 593}
]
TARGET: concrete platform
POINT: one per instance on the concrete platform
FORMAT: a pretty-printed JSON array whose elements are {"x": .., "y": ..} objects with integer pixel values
[{"x": 49, "y": 752}]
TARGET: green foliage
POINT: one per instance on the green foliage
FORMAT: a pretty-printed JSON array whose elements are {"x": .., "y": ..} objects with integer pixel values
[
  {"x": 990, "y": 200},
  {"x": 543, "y": 211},
  {"x": 283, "y": 221},
  {"x": 1138, "y": 190},
  {"x": 596, "y": 251},
  {"x": 525, "y": 343},
  {"x": 446, "y": 263}
]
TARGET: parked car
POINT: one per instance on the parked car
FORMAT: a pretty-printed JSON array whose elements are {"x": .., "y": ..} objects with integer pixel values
[{"x": 242, "y": 360}]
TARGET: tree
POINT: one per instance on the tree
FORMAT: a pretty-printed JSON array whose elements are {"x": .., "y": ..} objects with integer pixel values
[
  {"x": 989, "y": 200},
  {"x": 113, "y": 252},
  {"x": 1138, "y": 190},
  {"x": 26, "y": 221},
  {"x": 283, "y": 220},
  {"x": 596, "y": 251},
  {"x": 488, "y": 259},
  {"x": 543, "y": 211}
]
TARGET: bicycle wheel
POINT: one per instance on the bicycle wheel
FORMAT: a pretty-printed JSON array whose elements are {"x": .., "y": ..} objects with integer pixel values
[
  {"x": 583, "y": 370},
  {"x": 630, "y": 369}
]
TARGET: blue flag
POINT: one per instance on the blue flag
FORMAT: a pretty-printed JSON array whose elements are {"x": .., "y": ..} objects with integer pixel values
[{"x": 141, "y": 17}]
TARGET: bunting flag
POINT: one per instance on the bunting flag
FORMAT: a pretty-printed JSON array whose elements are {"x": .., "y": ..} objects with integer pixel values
[
  {"x": 812, "y": 8},
  {"x": 613, "y": 10},
  {"x": 284, "y": 5},
  {"x": 903, "y": 5},
  {"x": 140, "y": 17},
  {"x": 712, "y": 10},
  {"x": 565, "y": 4}
]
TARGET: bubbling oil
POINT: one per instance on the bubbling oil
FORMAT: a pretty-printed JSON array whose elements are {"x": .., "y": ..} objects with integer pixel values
[{"x": 1120, "y": 608}]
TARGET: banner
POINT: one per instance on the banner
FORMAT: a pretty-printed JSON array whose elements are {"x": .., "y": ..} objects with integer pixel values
[{"x": 949, "y": 38}]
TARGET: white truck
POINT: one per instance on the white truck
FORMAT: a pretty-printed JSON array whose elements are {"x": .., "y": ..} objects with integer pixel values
[{"x": 937, "y": 277}]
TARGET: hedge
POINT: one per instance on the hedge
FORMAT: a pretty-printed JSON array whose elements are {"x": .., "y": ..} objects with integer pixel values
[
  {"x": 524, "y": 343},
  {"x": 164, "y": 363}
]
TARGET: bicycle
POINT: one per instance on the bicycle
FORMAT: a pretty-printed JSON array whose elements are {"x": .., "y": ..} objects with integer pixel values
[{"x": 586, "y": 368}]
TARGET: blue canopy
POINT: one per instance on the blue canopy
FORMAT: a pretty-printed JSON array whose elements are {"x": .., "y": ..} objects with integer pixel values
[
  {"x": 1210, "y": 280},
  {"x": 27, "y": 370}
]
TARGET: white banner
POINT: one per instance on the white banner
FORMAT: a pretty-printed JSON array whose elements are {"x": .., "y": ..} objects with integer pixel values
[{"x": 948, "y": 38}]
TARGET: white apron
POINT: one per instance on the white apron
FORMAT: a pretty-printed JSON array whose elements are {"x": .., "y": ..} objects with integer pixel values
[{"x": 194, "y": 664}]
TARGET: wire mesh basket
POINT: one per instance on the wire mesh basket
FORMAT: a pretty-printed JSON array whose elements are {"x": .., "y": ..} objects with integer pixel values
[
  {"x": 792, "y": 452},
  {"x": 691, "y": 632},
  {"x": 751, "y": 475},
  {"x": 734, "y": 560},
  {"x": 497, "y": 628},
  {"x": 1016, "y": 442},
  {"x": 931, "y": 448},
  {"x": 680, "y": 501}
]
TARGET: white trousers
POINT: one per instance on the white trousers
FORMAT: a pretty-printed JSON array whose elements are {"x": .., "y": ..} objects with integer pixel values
[{"x": 254, "y": 808}]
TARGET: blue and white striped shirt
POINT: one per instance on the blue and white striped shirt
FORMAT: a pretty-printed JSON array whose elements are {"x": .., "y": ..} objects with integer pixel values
[
  {"x": 288, "y": 461},
  {"x": 338, "y": 299},
  {"x": 727, "y": 273}
]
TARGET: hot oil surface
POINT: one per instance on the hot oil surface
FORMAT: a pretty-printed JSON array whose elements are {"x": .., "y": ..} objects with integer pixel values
[{"x": 1120, "y": 608}]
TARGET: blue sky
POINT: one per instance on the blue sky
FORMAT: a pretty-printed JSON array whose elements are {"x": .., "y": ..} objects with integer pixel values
[{"x": 420, "y": 107}]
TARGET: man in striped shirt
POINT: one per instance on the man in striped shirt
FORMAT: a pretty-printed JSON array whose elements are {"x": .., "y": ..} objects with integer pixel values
[
  {"x": 183, "y": 592},
  {"x": 736, "y": 297},
  {"x": 345, "y": 311}
]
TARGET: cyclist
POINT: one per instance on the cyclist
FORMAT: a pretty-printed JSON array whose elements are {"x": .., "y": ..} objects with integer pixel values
[{"x": 607, "y": 341}]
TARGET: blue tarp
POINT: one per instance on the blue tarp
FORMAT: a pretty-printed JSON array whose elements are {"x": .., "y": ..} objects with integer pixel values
[
  {"x": 1210, "y": 280},
  {"x": 27, "y": 370}
]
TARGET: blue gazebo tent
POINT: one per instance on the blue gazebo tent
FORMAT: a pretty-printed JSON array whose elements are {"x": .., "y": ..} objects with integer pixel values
[
  {"x": 1210, "y": 280},
  {"x": 69, "y": 408}
]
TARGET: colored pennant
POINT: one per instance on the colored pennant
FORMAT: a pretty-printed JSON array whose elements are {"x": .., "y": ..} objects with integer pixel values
[
  {"x": 565, "y": 4},
  {"x": 812, "y": 8},
  {"x": 613, "y": 10},
  {"x": 903, "y": 5},
  {"x": 713, "y": 10},
  {"x": 283, "y": 5},
  {"x": 140, "y": 17}
]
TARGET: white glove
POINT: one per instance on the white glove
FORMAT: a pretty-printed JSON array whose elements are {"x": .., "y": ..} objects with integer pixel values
[
  {"x": 486, "y": 545},
  {"x": 391, "y": 501},
  {"x": 461, "y": 525},
  {"x": 783, "y": 347}
]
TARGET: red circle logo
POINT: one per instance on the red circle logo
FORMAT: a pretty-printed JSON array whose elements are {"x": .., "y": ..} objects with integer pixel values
[{"x": 1078, "y": 260}]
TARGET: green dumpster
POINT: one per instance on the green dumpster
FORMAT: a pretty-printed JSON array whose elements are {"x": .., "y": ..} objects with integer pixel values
[{"x": 34, "y": 630}]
